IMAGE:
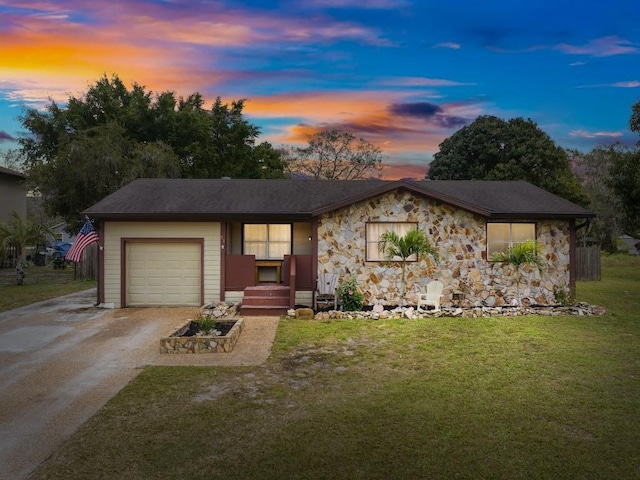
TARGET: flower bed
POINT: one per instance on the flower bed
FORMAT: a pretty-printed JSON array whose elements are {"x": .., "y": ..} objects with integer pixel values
[{"x": 207, "y": 343}]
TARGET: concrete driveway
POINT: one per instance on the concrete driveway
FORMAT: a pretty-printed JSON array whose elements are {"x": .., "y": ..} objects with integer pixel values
[{"x": 61, "y": 360}]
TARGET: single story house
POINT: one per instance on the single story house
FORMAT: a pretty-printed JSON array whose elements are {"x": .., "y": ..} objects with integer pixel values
[
  {"x": 196, "y": 241},
  {"x": 13, "y": 194}
]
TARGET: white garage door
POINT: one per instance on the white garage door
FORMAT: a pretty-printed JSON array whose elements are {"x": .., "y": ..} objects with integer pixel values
[{"x": 163, "y": 274}]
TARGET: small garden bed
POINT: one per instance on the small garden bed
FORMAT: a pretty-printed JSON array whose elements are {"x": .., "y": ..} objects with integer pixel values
[{"x": 204, "y": 335}]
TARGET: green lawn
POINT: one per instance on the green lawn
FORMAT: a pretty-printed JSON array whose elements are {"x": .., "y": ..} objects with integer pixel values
[
  {"x": 497, "y": 398},
  {"x": 40, "y": 283}
]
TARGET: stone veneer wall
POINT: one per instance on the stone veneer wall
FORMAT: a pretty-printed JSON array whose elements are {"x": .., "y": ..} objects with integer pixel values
[{"x": 459, "y": 236}]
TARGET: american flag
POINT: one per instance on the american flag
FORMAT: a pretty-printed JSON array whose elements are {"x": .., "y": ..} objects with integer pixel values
[{"x": 86, "y": 237}]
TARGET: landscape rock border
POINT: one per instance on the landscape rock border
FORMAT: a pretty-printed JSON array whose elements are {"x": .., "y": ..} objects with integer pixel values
[
  {"x": 177, "y": 344},
  {"x": 580, "y": 309}
]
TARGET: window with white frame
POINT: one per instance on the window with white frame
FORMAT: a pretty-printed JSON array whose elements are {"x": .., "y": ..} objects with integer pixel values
[
  {"x": 502, "y": 236},
  {"x": 267, "y": 241},
  {"x": 374, "y": 233}
]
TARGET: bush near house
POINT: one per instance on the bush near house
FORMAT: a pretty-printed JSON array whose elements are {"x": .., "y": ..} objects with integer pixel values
[{"x": 350, "y": 297}]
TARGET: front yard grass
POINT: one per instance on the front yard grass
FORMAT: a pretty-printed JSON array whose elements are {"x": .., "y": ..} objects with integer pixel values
[
  {"x": 40, "y": 283},
  {"x": 491, "y": 398}
]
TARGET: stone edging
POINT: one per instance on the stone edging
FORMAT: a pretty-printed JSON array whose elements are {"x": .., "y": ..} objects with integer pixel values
[
  {"x": 581, "y": 309},
  {"x": 217, "y": 344}
]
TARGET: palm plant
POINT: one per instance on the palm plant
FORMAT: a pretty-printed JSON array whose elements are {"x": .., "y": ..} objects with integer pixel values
[
  {"x": 401, "y": 248},
  {"x": 20, "y": 232},
  {"x": 519, "y": 255}
]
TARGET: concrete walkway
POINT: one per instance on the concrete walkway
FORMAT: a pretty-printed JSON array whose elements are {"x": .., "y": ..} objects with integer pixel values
[{"x": 61, "y": 360}]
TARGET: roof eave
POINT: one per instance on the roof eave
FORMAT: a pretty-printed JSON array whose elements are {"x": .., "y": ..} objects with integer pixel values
[
  {"x": 542, "y": 215},
  {"x": 183, "y": 216},
  {"x": 401, "y": 184}
]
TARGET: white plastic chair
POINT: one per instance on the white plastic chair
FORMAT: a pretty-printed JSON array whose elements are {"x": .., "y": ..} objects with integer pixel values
[
  {"x": 326, "y": 290},
  {"x": 432, "y": 295}
]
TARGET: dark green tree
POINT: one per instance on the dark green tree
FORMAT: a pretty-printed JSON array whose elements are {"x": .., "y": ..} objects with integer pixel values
[
  {"x": 234, "y": 149},
  {"x": 11, "y": 159},
  {"x": 594, "y": 172},
  {"x": 494, "y": 149},
  {"x": 77, "y": 154},
  {"x": 97, "y": 162},
  {"x": 634, "y": 121},
  {"x": 624, "y": 180}
]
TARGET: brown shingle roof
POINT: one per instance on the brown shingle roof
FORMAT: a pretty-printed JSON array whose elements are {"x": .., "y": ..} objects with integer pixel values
[{"x": 209, "y": 199}]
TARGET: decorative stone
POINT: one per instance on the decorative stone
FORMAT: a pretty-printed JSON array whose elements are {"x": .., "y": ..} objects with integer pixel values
[
  {"x": 221, "y": 309},
  {"x": 581, "y": 309},
  {"x": 201, "y": 344},
  {"x": 304, "y": 314}
]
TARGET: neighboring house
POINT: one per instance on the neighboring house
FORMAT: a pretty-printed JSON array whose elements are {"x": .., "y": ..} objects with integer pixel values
[
  {"x": 61, "y": 235},
  {"x": 632, "y": 245},
  {"x": 13, "y": 194},
  {"x": 190, "y": 242}
]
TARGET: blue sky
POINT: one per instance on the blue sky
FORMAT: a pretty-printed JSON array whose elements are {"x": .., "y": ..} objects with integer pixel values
[{"x": 402, "y": 74}]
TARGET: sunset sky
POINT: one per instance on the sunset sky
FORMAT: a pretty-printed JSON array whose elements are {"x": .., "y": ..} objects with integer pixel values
[{"x": 403, "y": 74}]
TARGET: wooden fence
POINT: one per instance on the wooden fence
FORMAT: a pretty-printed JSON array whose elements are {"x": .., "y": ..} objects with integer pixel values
[
  {"x": 8, "y": 257},
  {"x": 588, "y": 263},
  {"x": 87, "y": 268}
]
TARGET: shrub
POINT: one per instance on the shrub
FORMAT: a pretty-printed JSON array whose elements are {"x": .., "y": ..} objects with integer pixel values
[
  {"x": 562, "y": 296},
  {"x": 205, "y": 322},
  {"x": 350, "y": 297}
]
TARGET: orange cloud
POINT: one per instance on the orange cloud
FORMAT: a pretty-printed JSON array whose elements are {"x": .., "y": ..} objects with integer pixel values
[
  {"x": 36, "y": 66},
  {"x": 365, "y": 113},
  {"x": 158, "y": 45},
  {"x": 321, "y": 106}
]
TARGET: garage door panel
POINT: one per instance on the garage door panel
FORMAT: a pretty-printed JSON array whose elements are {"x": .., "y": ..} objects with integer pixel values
[
  {"x": 174, "y": 282},
  {"x": 160, "y": 273}
]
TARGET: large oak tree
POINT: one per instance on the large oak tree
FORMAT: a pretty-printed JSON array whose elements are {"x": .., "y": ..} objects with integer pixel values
[
  {"x": 491, "y": 148},
  {"x": 78, "y": 153}
]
